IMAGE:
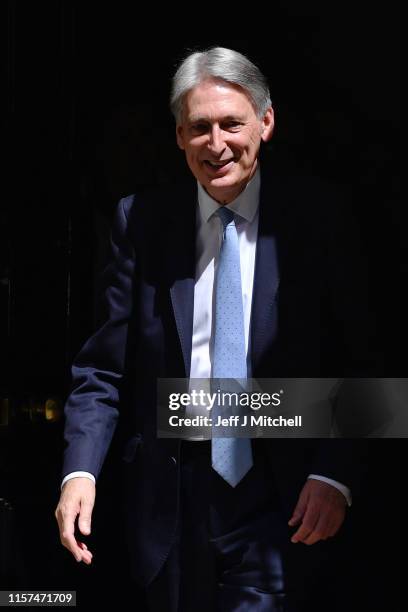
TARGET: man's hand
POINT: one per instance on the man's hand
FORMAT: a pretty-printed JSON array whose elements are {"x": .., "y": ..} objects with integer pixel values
[
  {"x": 77, "y": 498},
  {"x": 320, "y": 510}
]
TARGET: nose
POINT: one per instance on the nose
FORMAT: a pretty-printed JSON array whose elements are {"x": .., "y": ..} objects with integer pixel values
[{"x": 216, "y": 143}]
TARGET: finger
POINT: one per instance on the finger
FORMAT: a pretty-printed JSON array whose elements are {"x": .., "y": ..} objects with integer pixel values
[
  {"x": 66, "y": 521},
  {"x": 320, "y": 532},
  {"x": 84, "y": 548},
  {"x": 299, "y": 511},
  {"x": 85, "y": 555},
  {"x": 308, "y": 524},
  {"x": 69, "y": 541}
]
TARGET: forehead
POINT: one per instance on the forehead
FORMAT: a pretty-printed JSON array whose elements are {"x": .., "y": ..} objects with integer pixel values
[{"x": 214, "y": 99}]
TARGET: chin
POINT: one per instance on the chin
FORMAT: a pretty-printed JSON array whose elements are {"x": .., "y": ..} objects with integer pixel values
[
  {"x": 227, "y": 181},
  {"x": 226, "y": 187}
]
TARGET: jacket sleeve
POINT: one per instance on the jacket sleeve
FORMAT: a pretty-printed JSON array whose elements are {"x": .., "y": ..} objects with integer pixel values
[
  {"x": 357, "y": 408},
  {"x": 92, "y": 408}
]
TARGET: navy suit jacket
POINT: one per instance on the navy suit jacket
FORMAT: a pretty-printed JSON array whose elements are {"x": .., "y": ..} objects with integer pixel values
[{"x": 308, "y": 319}]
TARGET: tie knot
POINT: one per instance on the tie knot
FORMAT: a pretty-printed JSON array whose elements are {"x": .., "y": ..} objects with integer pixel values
[{"x": 226, "y": 215}]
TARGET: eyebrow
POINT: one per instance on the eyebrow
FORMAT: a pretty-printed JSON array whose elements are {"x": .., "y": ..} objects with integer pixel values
[{"x": 206, "y": 120}]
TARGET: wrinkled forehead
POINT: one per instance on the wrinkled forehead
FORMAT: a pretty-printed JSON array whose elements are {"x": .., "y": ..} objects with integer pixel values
[{"x": 213, "y": 97}]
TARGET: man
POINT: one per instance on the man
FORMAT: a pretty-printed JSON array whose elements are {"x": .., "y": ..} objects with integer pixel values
[{"x": 200, "y": 536}]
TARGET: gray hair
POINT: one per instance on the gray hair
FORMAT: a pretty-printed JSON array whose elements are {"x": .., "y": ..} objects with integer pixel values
[{"x": 224, "y": 64}]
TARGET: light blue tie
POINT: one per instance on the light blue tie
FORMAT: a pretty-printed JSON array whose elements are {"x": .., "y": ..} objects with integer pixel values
[{"x": 231, "y": 457}]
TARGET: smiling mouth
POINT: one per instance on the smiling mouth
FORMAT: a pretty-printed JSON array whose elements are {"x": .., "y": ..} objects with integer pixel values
[{"x": 219, "y": 164}]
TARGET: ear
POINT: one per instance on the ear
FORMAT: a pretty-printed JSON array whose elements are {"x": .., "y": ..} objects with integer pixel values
[
  {"x": 268, "y": 123},
  {"x": 179, "y": 136}
]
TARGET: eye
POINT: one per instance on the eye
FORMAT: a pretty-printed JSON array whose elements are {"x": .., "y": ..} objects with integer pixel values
[
  {"x": 199, "y": 128},
  {"x": 231, "y": 125}
]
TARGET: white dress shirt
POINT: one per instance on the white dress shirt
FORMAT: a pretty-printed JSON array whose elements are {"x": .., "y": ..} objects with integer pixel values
[{"x": 208, "y": 245}]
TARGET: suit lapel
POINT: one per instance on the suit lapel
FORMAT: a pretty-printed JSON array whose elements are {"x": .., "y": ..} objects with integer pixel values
[
  {"x": 180, "y": 266},
  {"x": 182, "y": 298},
  {"x": 264, "y": 322}
]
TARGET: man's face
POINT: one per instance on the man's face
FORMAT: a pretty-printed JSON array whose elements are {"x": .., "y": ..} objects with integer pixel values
[{"x": 221, "y": 135}]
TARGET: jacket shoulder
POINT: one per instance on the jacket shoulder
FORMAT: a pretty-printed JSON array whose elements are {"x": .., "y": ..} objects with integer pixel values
[{"x": 163, "y": 199}]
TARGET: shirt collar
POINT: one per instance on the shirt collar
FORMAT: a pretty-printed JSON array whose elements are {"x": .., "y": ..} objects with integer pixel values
[{"x": 245, "y": 205}]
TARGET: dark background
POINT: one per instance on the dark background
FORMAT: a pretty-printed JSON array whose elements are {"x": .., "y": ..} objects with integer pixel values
[{"x": 86, "y": 121}]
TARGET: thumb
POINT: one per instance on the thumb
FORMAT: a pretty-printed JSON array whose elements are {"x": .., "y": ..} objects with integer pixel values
[
  {"x": 84, "y": 520},
  {"x": 298, "y": 513}
]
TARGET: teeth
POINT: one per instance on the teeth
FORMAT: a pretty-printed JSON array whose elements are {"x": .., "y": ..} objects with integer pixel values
[{"x": 219, "y": 164}]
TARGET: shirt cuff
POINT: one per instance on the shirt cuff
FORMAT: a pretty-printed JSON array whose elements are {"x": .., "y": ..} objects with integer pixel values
[
  {"x": 341, "y": 487},
  {"x": 76, "y": 475}
]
